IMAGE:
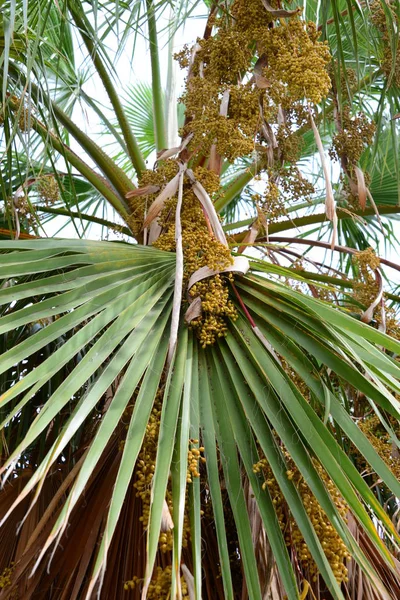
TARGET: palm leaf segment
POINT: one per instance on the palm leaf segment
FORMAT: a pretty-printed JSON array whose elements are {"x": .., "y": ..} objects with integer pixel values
[{"x": 111, "y": 305}]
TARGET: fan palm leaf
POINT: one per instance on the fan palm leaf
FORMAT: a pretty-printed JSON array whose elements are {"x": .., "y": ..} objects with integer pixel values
[{"x": 112, "y": 297}]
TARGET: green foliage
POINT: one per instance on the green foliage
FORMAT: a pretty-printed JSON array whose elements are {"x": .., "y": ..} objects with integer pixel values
[{"x": 137, "y": 459}]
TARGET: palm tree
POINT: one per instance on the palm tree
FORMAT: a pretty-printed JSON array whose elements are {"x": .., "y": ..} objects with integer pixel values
[{"x": 207, "y": 406}]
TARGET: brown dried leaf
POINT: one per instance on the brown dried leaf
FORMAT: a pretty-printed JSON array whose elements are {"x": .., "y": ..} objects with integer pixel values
[
  {"x": 258, "y": 77},
  {"x": 281, "y": 116},
  {"x": 334, "y": 234},
  {"x": 189, "y": 582},
  {"x": 215, "y": 161},
  {"x": 266, "y": 128},
  {"x": 361, "y": 187},
  {"x": 250, "y": 237},
  {"x": 223, "y": 109},
  {"x": 143, "y": 191},
  {"x": 154, "y": 233},
  {"x": 195, "y": 50},
  {"x": 279, "y": 12},
  {"x": 261, "y": 82},
  {"x": 168, "y": 192},
  {"x": 382, "y": 324},
  {"x": 166, "y": 520},
  {"x": 208, "y": 206},
  {"x": 260, "y": 65},
  {"x": 194, "y": 310},
  {"x": 330, "y": 205},
  {"x": 367, "y": 315},
  {"x": 167, "y": 153},
  {"x": 240, "y": 265}
]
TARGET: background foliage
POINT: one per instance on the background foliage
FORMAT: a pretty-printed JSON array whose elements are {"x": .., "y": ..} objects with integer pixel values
[{"x": 174, "y": 425}]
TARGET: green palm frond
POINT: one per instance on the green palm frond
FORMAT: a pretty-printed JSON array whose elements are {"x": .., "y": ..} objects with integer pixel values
[
  {"x": 110, "y": 305},
  {"x": 139, "y": 109}
]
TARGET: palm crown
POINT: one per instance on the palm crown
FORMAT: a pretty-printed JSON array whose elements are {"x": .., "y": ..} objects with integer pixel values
[{"x": 204, "y": 408}]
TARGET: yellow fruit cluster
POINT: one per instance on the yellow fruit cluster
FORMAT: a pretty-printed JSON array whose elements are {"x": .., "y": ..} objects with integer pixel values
[
  {"x": 24, "y": 119},
  {"x": 160, "y": 585},
  {"x": 216, "y": 309},
  {"x": 145, "y": 469},
  {"x": 132, "y": 583},
  {"x": 282, "y": 186},
  {"x": 392, "y": 325},
  {"x": 381, "y": 441},
  {"x": 289, "y": 143},
  {"x": 5, "y": 577},
  {"x": 194, "y": 459},
  {"x": 294, "y": 70},
  {"x": 234, "y": 135},
  {"x": 273, "y": 204},
  {"x": 48, "y": 190},
  {"x": 24, "y": 208},
  {"x": 366, "y": 259},
  {"x": 251, "y": 17},
  {"x": 344, "y": 80},
  {"x": 228, "y": 99},
  {"x": 365, "y": 288},
  {"x": 226, "y": 56},
  {"x": 334, "y": 548},
  {"x": 297, "y": 62},
  {"x": 200, "y": 248},
  {"x": 295, "y": 186},
  {"x": 390, "y": 64},
  {"x": 139, "y": 205},
  {"x": 357, "y": 134}
]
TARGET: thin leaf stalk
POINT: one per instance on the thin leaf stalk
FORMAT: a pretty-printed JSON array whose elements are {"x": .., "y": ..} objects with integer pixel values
[
  {"x": 98, "y": 182},
  {"x": 253, "y": 324},
  {"x": 82, "y": 216},
  {"x": 130, "y": 140},
  {"x": 315, "y": 218},
  {"x": 321, "y": 244},
  {"x": 237, "y": 186},
  {"x": 243, "y": 306},
  {"x": 178, "y": 274},
  {"x": 170, "y": 108},
  {"x": 160, "y": 135},
  {"x": 115, "y": 174}
]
